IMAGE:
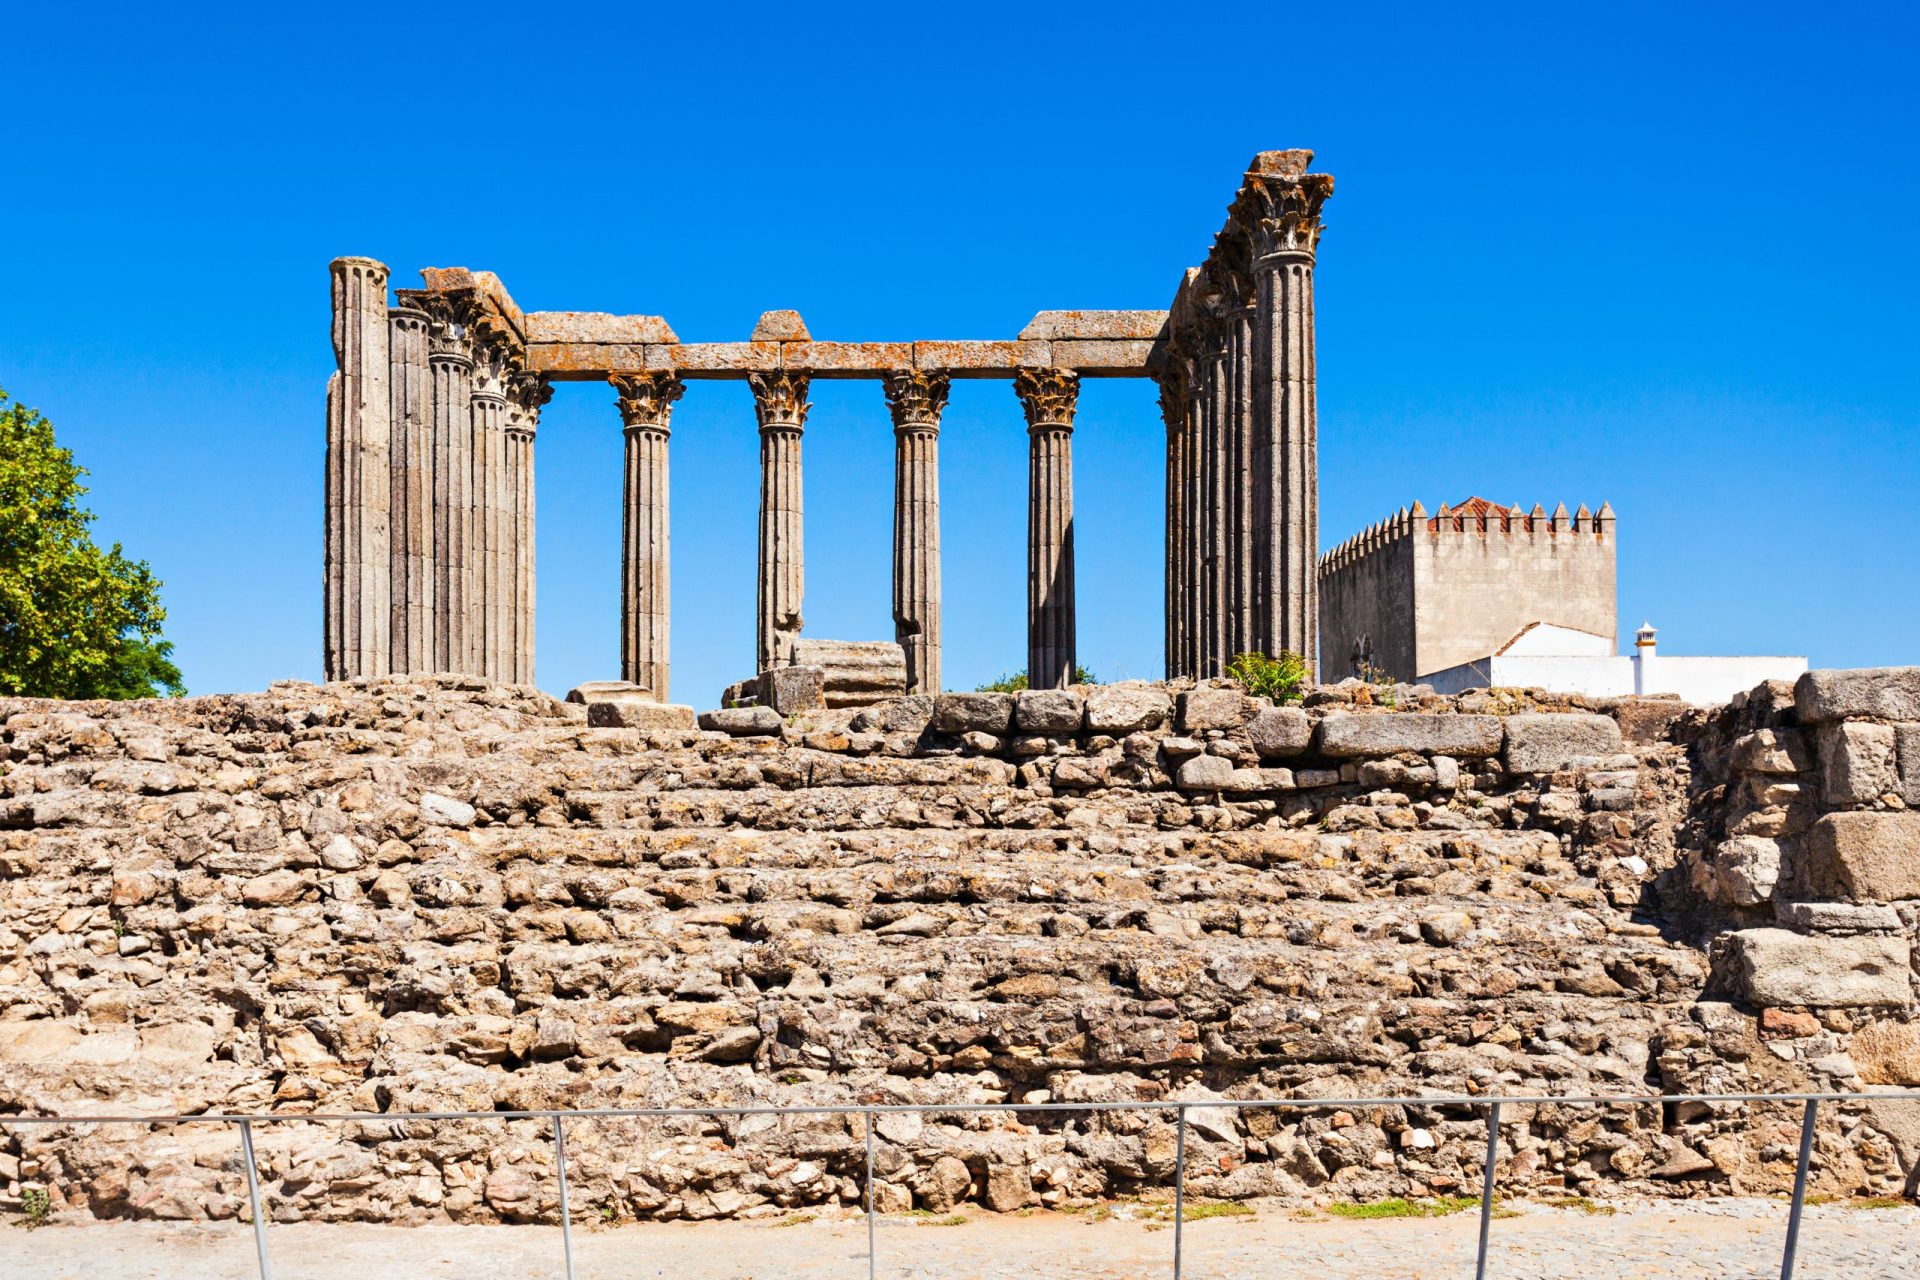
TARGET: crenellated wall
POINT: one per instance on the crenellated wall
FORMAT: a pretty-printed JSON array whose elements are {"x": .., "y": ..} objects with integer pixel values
[{"x": 1455, "y": 586}]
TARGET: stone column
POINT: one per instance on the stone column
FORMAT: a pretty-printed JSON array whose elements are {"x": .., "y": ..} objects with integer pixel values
[
  {"x": 915, "y": 400},
  {"x": 1280, "y": 206},
  {"x": 1048, "y": 396},
  {"x": 1173, "y": 414},
  {"x": 527, "y": 394},
  {"x": 358, "y": 592},
  {"x": 646, "y": 411},
  {"x": 450, "y": 360},
  {"x": 1191, "y": 553},
  {"x": 487, "y": 605},
  {"x": 780, "y": 404},
  {"x": 1216, "y": 623},
  {"x": 411, "y": 515},
  {"x": 1241, "y": 606}
]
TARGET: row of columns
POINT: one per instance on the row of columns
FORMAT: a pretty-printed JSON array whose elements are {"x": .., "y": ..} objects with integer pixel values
[
  {"x": 1237, "y": 395},
  {"x": 429, "y": 487},
  {"x": 915, "y": 400}
]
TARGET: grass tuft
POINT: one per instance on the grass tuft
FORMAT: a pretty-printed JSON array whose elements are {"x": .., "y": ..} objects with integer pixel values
[{"x": 1400, "y": 1207}]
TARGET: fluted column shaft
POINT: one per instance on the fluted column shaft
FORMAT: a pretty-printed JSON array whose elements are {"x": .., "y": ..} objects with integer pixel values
[
  {"x": 646, "y": 411},
  {"x": 358, "y": 597},
  {"x": 1219, "y": 588},
  {"x": 1049, "y": 397},
  {"x": 528, "y": 394},
  {"x": 1280, "y": 205},
  {"x": 488, "y": 602},
  {"x": 451, "y": 364},
  {"x": 915, "y": 401},
  {"x": 1191, "y": 553},
  {"x": 1241, "y": 606},
  {"x": 411, "y": 514},
  {"x": 1292, "y": 501},
  {"x": 780, "y": 404}
]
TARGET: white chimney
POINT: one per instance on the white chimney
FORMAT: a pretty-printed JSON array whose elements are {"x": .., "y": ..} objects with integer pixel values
[{"x": 1643, "y": 654}]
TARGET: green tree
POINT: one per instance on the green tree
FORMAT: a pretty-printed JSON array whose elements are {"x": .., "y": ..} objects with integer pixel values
[
  {"x": 1017, "y": 681},
  {"x": 75, "y": 621}
]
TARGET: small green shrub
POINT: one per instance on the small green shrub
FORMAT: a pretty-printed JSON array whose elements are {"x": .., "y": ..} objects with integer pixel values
[
  {"x": 1279, "y": 679},
  {"x": 1016, "y": 681},
  {"x": 38, "y": 1207}
]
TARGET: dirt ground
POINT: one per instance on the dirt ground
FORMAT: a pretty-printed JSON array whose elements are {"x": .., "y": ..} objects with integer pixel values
[{"x": 1731, "y": 1238}]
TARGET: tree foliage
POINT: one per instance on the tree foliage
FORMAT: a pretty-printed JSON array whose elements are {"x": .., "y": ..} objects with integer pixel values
[
  {"x": 75, "y": 621},
  {"x": 1017, "y": 681}
]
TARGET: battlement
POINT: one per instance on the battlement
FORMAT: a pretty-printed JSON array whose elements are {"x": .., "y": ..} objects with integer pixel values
[{"x": 1481, "y": 571}]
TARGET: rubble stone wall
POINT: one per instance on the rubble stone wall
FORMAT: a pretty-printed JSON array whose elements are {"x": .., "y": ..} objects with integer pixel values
[{"x": 402, "y": 895}]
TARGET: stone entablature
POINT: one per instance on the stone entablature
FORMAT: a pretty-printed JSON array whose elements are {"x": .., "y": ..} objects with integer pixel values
[
  {"x": 1418, "y": 593},
  {"x": 429, "y": 563}
]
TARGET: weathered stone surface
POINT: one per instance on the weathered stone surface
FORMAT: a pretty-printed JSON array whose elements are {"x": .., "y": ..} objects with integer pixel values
[
  {"x": 1127, "y": 707},
  {"x": 1776, "y": 751},
  {"x": 780, "y": 326},
  {"x": 1887, "y": 1053},
  {"x": 1545, "y": 743},
  {"x": 596, "y": 327},
  {"x": 639, "y": 713},
  {"x": 1049, "y": 711},
  {"x": 1212, "y": 707},
  {"x": 1280, "y": 732},
  {"x": 1746, "y": 870},
  {"x": 1096, "y": 325},
  {"x": 446, "y": 811},
  {"x": 791, "y": 690},
  {"x": 743, "y": 722},
  {"x": 1866, "y": 855},
  {"x": 1205, "y": 773},
  {"x": 1868, "y": 693},
  {"x": 1856, "y": 762},
  {"x": 973, "y": 712},
  {"x": 1907, "y": 738},
  {"x": 1350, "y": 735},
  {"x": 1776, "y": 967},
  {"x": 1837, "y": 917}
]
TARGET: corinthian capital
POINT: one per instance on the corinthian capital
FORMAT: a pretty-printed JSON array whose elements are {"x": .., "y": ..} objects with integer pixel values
[
  {"x": 780, "y": 399},
  {"x": 1279, "y": 203},
  {"x": 915, "y": 399},
  {"x": 1047, "y": 395},
  {"x": 527, "y": 394},
  {"x": 646, "y": 399}
]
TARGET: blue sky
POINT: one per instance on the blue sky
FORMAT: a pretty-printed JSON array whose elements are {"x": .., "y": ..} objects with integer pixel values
[{"x": 1661, "y": 255}]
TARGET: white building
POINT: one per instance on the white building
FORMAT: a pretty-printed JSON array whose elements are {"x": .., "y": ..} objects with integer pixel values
[{"x": 1563, "y": 660}]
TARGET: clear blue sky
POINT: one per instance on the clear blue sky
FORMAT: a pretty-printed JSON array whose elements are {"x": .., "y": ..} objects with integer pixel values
[{"x": 1661, "y": 255}]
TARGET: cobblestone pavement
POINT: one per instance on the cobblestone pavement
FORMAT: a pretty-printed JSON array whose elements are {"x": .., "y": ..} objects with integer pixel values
[{"x": 1721, "y": 1240}]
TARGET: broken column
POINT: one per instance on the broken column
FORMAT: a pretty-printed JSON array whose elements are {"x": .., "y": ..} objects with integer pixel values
[
  {"x": 915, "y": 400},
  {"x": 646, "y": 411},
  {"x": 1279, "y": 205},
  {"x": 359, "y": 486},
  {"x": 1048, "y": 397},
  {"x": 526, "y": 395},
  {"x": 780, "y": 404},
  {"x": 450, "y": 361},
  {"x": 410, "y": 518}
]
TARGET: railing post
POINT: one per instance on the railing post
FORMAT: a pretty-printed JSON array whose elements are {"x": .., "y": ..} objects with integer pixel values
[
  {"x": 868, "y": 1115},
  {"x": 566, "y": 1208},
  {"x": 1799, "y": 1190},
  {"x": 253, "y": 1198},
  {"x": 1486, "y": 1188},
  {"x": 1179, "y": 1184}
]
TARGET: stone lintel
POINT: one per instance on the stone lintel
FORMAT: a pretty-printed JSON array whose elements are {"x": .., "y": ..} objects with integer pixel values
[
  {"x": 1050, "y": 326},
  {"x": 483, "y": 284},
  {"x": 594, "y": 361},
  {"x": 597, "y": 327}
]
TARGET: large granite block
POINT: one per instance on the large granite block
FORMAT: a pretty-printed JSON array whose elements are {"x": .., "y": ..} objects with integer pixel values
[
  {"x": 1542, "y": 743},
  {"x": 1856, "y": 762},
  {"x": 1867, "y": 855},
  {"x": 1389, "y": 733},
  {"x": 1774, "y": 967},
  {"x": 1869, "y": 693}
]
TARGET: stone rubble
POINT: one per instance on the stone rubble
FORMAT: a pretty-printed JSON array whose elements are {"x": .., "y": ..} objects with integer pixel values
[{"x": 399, "y": 894}]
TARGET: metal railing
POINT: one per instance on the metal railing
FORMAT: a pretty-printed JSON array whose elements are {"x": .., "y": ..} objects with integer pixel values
[{"x": 1810, "y": 1110}]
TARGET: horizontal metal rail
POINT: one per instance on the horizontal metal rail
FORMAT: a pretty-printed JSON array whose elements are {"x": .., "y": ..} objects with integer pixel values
[{"x": 1490, "y": 1105}]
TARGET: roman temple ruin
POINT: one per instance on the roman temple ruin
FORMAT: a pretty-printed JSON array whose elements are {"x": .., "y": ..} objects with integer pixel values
[{"x": 436, "y": 401}]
